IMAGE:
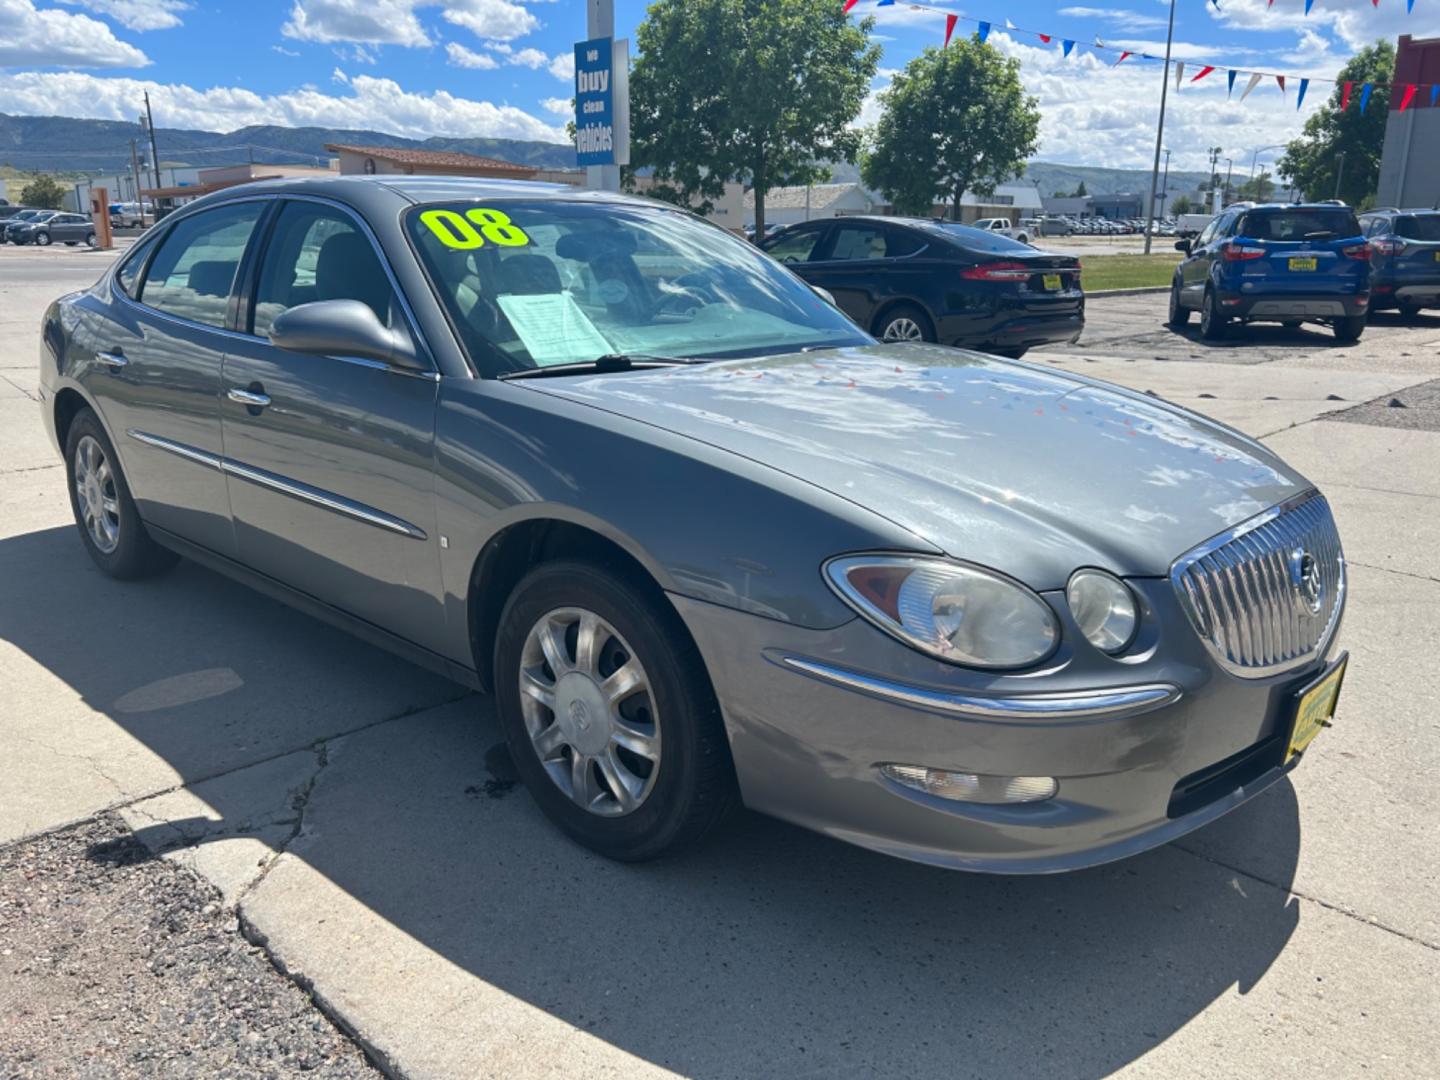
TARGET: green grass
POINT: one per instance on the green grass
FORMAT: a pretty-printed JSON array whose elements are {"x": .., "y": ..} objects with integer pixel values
[{"x": 1101, "y": 272}]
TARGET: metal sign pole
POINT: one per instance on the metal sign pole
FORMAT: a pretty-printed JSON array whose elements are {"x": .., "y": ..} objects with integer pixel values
[{"x": 600, "y": 23}]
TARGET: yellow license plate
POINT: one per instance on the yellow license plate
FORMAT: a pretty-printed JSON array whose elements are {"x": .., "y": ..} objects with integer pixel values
[
  {"x": 1437, "y": 256},
  {"x": 1316, "y": 708},
  {"x": 1051, "y": 281},
  {"x": 1302, "y": 264}
]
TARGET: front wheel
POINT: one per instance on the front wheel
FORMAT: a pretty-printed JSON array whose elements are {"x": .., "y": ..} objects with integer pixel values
[
  {"x": 1179, "y": 313},
  {"x": 110, "y": 525},
  {"x": 609, "y": 713},
  {"x": 43, "y": 239},
  {"x": 90, "y": 239},
  {"x": 904, "y": 323},
  {"x": 1212, "y": 324},
  {"x": 1349, "y": 328}
]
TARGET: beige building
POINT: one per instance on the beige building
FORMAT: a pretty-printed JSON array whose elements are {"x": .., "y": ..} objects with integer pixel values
[{"x": 389, "y": 161}]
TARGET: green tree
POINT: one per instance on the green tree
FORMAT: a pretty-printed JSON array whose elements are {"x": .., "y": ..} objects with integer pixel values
[
  {"x": 955, "y": 120},
  {"x": 43, "y": 193},
  {"x": 1080, "y": 192},
  {"x": 756, "y": 91},
  {"x": 1260, "y": 189},
  {"x": 1181, "y": 205},
  {"x": 1312, "y": 162}
]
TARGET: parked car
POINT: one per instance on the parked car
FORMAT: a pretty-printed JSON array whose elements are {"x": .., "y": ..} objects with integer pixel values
[
  {"x": 54, "y": 227},
  {"x": 1192, "y": 224},
  {"x": 1053, "y": 226},
  {"x": 910, "y": 279},
  {"x": 1287, "y": 263},
  {"x": 1003, "y": 227},
  {"x": 1405, "y": 259},
  {"x": 127, "y": 216},
  {"x": 22, "y": 217},
  {"x": 704, "y": 539},
  {"x": 8, "y": 211}
]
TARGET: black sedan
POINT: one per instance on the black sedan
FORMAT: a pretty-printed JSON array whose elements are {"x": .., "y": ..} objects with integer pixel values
[{"x": 909, "y": 279}]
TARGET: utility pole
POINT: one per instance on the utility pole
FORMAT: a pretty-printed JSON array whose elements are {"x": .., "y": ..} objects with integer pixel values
[
  {"x": 135, "y": 169},
  {"x": 1160, "y": 128},
  {"x": 154, "y": 151},
  {"x": 1229, "y": 166},
  {"x": 1164, "y": 186},
  {"x": 1339, "y": 174}
]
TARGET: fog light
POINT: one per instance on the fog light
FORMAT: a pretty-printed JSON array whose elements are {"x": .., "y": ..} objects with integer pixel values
[{"x": 968, "y": 787}]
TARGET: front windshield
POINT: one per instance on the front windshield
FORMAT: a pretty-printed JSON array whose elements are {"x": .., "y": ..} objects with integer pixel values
[{"x": 536, "y": 284}]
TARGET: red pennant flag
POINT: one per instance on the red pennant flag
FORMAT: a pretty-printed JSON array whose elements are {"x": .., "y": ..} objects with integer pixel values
[
  {"x": 1203, "y": 72},
  {"x": 1345, "y": 96},
  {"x": 1281, "y": 80},
  {"x": 1044, "y": 37},
  {"x": 1123, "y": 57},
  {"x": 1408, "y": 96},
  {"x": 950, "y": 21},
  {"x": 849, "y": 4}
]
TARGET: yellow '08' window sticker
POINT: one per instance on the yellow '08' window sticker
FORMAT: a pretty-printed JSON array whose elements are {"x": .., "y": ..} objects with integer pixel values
[{"x": 479, "y": 226}]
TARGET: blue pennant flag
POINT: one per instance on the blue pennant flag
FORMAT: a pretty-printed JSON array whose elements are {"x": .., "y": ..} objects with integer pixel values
[
  {"x": 1308, "y": 5},
  {"x": 983, "y": 32},
  {"x": 1410, "y": 7},
  {"x": 1365, "y": 96},
  {"x": 1231, "y": 76},
  {"x": 1067, "y": 46},
  {"x": 886, "y": 3},
  {"x": 1434, "y": 95},
  {"x": 1304, "y": 85}
]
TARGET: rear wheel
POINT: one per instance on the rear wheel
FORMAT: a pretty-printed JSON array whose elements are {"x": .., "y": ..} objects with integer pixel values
[
  {"x": 1409, "y": 309},
  {"x": 1212, "y": 324},
  {"x": 110, "y": 525},
  {"x": 609, "y": 713},
  {"x": 1349, "y": 328},
  {"x": 904, "y": 323},
  {"x": 1179, "y": 313},
  {"x": 90, "y": 239},
  {"x": 43, "y": 239}
]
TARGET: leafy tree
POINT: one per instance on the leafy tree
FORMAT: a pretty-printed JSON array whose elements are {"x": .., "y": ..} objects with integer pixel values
[
  {"x": 1080, "y": 192},
  {"x": 955, "y": 120},
  {"x": 1181, "y": 205},
  {"x": 757, "y": 91},
  {"x": 1260, "y": 189},
  {"x": 44, "y": 193},
  {"x": 1312, "y": 161}
]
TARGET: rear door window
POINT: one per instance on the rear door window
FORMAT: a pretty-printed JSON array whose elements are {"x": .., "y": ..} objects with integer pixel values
[
  {"x": 858, "y": 242},
  {"x": 193, "y": 273},
  {"x": 1418, "y": 227},
  {"x": 902, "y": 242},
  {"x": 1302, "y": 223}
]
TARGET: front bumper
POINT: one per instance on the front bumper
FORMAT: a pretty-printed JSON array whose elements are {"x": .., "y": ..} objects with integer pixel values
[{"x": 810, "y": 718}]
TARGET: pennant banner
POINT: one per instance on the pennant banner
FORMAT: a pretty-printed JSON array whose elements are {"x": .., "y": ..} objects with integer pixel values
[
  {"x": 950, "y": 21},
  {"x": 983, "y": 32},
  {"x": 1254, "y": 82},
  {"x": 1304, "y": 85},
  {"x": 1203, "y": 72}
]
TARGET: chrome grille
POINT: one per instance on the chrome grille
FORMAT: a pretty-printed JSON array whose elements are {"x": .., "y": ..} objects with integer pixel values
[{"x": 1266, "y": 596}]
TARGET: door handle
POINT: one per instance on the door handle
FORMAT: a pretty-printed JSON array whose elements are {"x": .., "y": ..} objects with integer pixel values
[
  {"x": 113, "y": 360},
  {"x": 249, "y": 398}
]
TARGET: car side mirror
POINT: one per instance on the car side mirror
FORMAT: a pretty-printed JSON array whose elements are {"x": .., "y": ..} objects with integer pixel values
[
  {"x": 343, "y": 328},
  {"x": 1183, "y": 245}
]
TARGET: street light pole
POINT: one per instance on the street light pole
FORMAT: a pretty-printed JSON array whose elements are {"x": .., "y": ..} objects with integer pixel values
[
  {"x": 1225, "y": 194},
  {"x": 1164, "y": 186},
  {"x": 1339, "y": 174},
  {"x": 1160, "y": 128}
]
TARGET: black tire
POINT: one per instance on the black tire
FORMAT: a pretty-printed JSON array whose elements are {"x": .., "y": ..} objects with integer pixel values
[
  {"x": 1015, "y": 353},
  {"x": 42, "y": 239},
  {"x": 1212, "y": 324},
  {"x": 694, "y": 787},
  {"x": 1179, "y": 313},
  {"x": 1349, "y": 328},
  {"x": 1292, "y": 324},
  {"x": 135, "y": 555},
  {"x": 893, "y": 319},
  {"x": 1408, "y": 309}
]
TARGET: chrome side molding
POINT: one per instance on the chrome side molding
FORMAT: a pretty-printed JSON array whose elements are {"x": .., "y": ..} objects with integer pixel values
[
  {"x": 1073, "y": 705},
  {"x": 304, "y": 492}
]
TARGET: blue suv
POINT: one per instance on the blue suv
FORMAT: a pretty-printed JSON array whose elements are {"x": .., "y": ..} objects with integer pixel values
[
  {"x": 1286, "y": 263},
  {"x": 1404, "y": 260}
]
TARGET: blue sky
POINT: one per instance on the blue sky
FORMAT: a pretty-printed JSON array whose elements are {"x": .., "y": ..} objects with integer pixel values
[{"x": 502, "y": 67}]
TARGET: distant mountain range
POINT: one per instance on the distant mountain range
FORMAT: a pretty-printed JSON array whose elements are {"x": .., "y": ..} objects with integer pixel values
[{"x": 65, "y": 144}]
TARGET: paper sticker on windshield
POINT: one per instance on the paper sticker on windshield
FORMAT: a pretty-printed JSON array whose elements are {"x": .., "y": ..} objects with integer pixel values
[
  {"x": 553, "y": 329},
  {"x": 478, "y": 226}
]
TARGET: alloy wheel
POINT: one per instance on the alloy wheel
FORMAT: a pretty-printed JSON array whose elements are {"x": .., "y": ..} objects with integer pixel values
[
  {"x": 589, "y": 711},
  {"x": 96, "y": 494},
  {"x": 902, "y": 329}
]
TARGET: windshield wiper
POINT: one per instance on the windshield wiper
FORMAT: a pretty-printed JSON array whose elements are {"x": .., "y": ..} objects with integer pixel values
[{"x": 603, "y": 365}]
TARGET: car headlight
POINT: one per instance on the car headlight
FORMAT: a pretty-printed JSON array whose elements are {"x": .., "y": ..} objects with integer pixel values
[
  {"x": 1104, "y": 609},
  {"x": 959, "y": 613}
]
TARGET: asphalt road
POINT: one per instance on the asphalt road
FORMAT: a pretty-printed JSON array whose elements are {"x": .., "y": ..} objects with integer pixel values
[{"x": 347, "y": 808}]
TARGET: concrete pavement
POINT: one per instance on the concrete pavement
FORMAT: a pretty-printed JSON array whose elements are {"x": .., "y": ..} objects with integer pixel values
[{"x": 346, "y": 804}]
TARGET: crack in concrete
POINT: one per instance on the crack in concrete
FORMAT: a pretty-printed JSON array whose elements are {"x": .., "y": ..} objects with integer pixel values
[
  {"x": 1392, "y": 570},
  {"x": 299, "y": 801},
  {"x": 32, "y": 468}
]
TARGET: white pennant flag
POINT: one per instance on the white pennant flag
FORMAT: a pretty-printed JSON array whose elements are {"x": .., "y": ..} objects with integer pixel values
[
  {"x": 1254, "y": 82},
  {"x": 1179, "y": 72},
  {"x": 1009, "y": 25}
]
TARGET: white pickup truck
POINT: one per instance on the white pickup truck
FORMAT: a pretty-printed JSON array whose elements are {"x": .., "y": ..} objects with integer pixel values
[{"x": 1004, "y": 228}]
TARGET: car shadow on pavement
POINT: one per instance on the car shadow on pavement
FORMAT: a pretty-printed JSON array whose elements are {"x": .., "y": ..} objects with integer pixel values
[
  {"x": 769, "y": 952},
  {"x": 1265, "y": 336}
]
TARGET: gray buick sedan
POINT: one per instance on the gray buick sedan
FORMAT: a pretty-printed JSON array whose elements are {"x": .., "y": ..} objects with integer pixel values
[{"x": 704, "y": 540}]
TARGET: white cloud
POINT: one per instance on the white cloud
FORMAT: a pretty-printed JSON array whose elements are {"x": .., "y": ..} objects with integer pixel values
[
  {"x": 531, "y": 58},
  {"x": 563, "y": 66},
  {"x": 460, "y": 56},
  {"x": 1124, "y": 20},
  {"x": 371, "y": 22},
  {"x": 563, "y": 107},
  {"x": 137, "y": 14},
  {"x": 340, "y": 77},
  {"x": 380, "y": 104},
  {"x": 50, "y": 38},
  {"x": 499, "y": 20},
  {"x": 356, "y": 53},
  {"x": 283, "y": 51},
  {"x": 1357, "y": 24}
]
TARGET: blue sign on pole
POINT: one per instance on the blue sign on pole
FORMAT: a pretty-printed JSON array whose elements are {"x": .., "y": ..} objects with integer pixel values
[{"x": 595, "y": 102}]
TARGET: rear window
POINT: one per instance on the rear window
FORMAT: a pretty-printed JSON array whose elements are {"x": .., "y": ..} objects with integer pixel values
[
  {"x": 1418, "y": 227},
  {"x": 975, "y": 239},
  {"x": 1300, "y": 224}
]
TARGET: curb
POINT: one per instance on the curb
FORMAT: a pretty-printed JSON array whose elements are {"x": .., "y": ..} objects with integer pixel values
[{"x": 1128, "y": 292}]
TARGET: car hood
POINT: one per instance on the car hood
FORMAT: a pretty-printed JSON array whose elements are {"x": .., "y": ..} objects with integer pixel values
[{"x": 1031, "y": 471}]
